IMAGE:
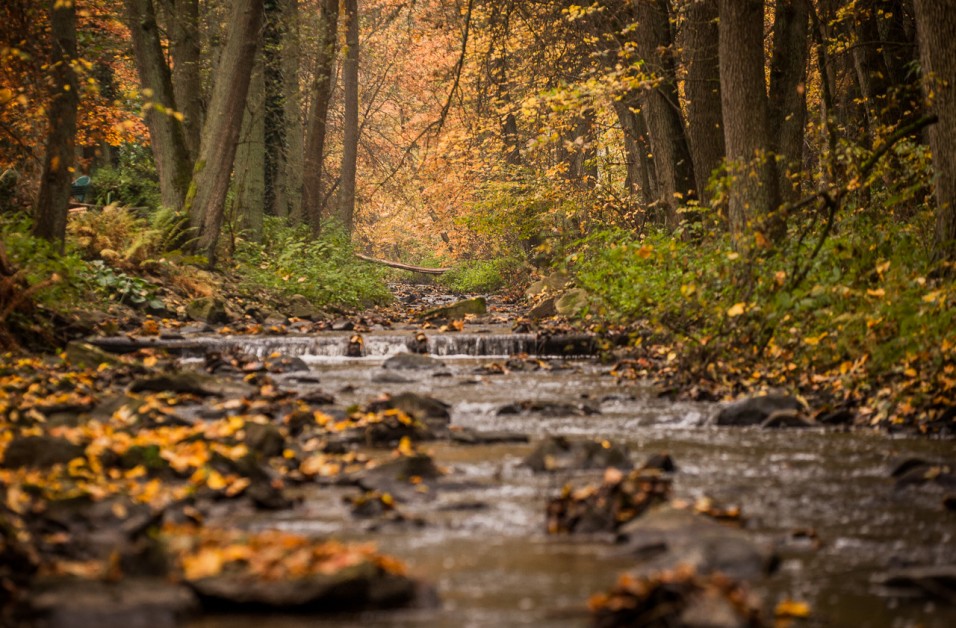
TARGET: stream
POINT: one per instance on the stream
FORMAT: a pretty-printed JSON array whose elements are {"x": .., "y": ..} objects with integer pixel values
[{"x": 483, "y": 544}]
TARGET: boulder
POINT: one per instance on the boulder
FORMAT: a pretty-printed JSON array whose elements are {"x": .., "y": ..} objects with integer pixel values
[
  {"x": 754, "y": 410},
  {"x": 572, "y": 302},
  {"x": 456, "y": 311},
  {"x": 552, "y": 283},
  {"x": 190, "y": 383},
  {"x": 412, "y": 362},
  {"x": 300, "y": 307},
  {"x": 544, "y": 309},
  {"x": 209, "y": 310},
  {"x": 667, "y": 537},
  {"x": 547, "y": 408}
]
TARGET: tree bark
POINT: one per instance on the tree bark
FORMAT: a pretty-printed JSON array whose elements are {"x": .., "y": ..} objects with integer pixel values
[
  {"x": 788, "y": 100},
  {"x": 636, "y": 148},
  {"x": 54, "y": 194},
  {"x": 936, "y": 28},
  {"x": 210, "y": 183},
  {"x": 672, "y": 159},
  {"x": 275, "y": 123},
  {"x": 705, "y": 133},
  {"x": 289, "y": 178},
  {"x": 350, "y": 71},
  {"x": 168, "y": 140},
  {"x": 250, "y": 169},
  {"x": 744, "y": 102},
  {"x": 872, "y": 73},
  {"x": 187, "y": 83},
  {"x": 317, "y": 127}
]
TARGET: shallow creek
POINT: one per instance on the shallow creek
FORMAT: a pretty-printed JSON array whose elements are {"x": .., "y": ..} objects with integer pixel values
[{"x": 484, "y": 545}]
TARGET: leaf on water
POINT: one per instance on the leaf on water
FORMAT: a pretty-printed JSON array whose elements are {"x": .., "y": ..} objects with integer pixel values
[{"x": 792, "y": 608}]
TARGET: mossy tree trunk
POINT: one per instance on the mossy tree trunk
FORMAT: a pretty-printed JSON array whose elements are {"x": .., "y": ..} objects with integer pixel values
[
  {"x": 54, "y": 195},
  {"x": 206, "y": 198}
]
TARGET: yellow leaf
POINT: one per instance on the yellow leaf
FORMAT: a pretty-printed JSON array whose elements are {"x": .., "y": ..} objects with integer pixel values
[
  {"x": 208, "y": 562},
  {"x": 736, "y": 309},
  {"x": 792, "y": 608},
  {"x": 815, "y": 340},
  {"x": 761, "y": 240},
  {"x": 933, "y": 296},
  {"x": 215, "y": 481},
  {"x": 878, "y": 293},
  {"x": 405, "y": 447},
  {"x": 645, "y": 251}
]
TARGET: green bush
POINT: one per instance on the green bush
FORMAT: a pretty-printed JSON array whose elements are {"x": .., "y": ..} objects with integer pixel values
[
  {"x": 482, "y": 275},
  {"x": 324, "y": 269},
  {"x": 133, "y": 182}
]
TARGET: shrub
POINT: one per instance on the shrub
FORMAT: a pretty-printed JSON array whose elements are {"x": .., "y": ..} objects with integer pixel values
[
  {"x": 482, "y": 275},
  {"x": 324, "y": 269}
]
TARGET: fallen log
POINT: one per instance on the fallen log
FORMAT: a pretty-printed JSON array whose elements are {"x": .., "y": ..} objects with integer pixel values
[{"x": 414, "y": 269}]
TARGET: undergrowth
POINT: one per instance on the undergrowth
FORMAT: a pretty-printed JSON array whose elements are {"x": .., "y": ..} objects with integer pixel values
[
  {"x": 324, "y": 269},
  {"x": 482, "y": 275}
]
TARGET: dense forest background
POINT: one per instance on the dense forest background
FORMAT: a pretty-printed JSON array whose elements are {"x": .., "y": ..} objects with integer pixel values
[{"x": 773, "y": 178}]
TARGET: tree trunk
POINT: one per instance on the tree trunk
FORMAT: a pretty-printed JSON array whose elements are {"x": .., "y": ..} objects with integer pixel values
[
  {"x": 187, "y": 83},
  {"x": 166, "y": 135},
  {"x": 350, "y": 72},
  {"x": 672, "y": 160},
  {"x": 250, "y": 169},
  {"x": 744, "y": 102},
  {"x": 54, "y": 194},
  {"x": 936, "y": 28},
  {"x": 699, "y": 43},
  {"x": 275, "y": 124},
  {"x": 788, "y": 99},
  {"x": 210, "y": 183},
  {"x": 289, "y": 178},
  {"x": 317, "y": 127},
  {"x": 872, "y": 73}
]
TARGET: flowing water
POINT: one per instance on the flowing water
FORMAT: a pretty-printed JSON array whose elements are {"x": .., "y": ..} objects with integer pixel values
[{"x": 483, "y": 543}]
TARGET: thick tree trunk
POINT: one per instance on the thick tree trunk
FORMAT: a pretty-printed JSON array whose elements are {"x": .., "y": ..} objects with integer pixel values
[
  {"x": 168, "y": 140},
  {"x": 636, "y": 148},
  {"x": 54, "y": 195},
  {"x": 289, "y": 178},
  {"x": 317, "y": 127},
  {"x": 743, "y": 95},
  {"x": 275, "y": 123},
  {"x": 250, "y": 170},
  {"x": 788, "y": 100},
  {"x": 672, "y": 159},
  {"x": 350, "y": 72},
  {"x": 705, "y": 132},
  {"x": 187, "y": 83},
  {"x": 936, "y": 27},
  {"x": 210, "y": 183}
]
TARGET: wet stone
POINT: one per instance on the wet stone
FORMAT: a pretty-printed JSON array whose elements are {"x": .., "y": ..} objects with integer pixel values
[
  {"x": 754, "y": 410},
  {"x": 936, "y": 582},
  {"x": 433, "y": 412},
  {"x": 412, "y": 362},
  {"x": 265, "y": 439},
  {"x": 547, "y": 408},
  {"x": 604, "y": 508},
  {"x": 459, "y": 310},
  {"x": 558, "y": 453},
  {"x": 208, "y": 310},
  {"x": 130, "y": 602},
  {"x": 787, "y": 419},
  {"x": 668, "y": 537}
]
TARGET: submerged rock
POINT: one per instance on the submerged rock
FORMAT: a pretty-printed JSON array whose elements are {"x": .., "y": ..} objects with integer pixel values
[
  {"x": 558, "y": 453},
  {"x": 936, "y": 582},
  {"x": 667, "y": 537},
  {"x": 547, "y": 408},
  {"x": 412, "y": 362},
  {"x": 432, "y": 412},
  {"x": 84, "y": 355},
  {"x": 754, "y": 410},
  {"x": 792, "y": 419},
  {"x": 456, "y": 311}
]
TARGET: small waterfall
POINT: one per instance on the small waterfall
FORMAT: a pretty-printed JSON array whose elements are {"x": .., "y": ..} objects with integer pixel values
[{"x": 375, "y": 345}]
